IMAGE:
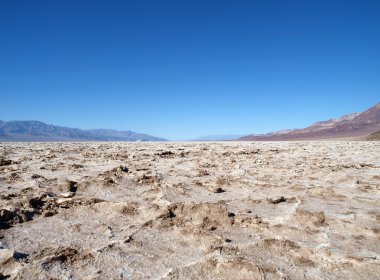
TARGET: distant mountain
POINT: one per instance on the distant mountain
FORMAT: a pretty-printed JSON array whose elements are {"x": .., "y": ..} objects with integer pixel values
[
  {"x": 226, "y": 137},
  {"x": 35, "y": 131},
  {"x": 353, "y": 126}
]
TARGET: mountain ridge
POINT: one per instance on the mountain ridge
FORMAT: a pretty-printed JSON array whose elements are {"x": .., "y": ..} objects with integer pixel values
[
  {"x": 37, "y": 131},
  {"x": 217, "y": 137},
  {"x": 353, "y": 126}
]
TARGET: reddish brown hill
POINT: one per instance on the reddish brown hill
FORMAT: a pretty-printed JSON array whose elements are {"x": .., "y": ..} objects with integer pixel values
[
  {"x": 374, "y": 136},
  {"x": 354, "y": 126}
]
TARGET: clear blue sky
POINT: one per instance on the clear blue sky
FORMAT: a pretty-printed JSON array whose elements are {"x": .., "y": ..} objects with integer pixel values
[{"x": 183, "y": 69}]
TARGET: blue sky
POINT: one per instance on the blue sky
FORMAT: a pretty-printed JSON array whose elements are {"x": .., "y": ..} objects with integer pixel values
[{"x": 183, "y": 69}]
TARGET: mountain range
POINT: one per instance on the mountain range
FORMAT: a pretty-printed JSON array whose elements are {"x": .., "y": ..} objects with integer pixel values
[
  {"x": 356, "y": 126},
  {"x": 35, "y": 131},
  {"x": 222, "y": 137}
]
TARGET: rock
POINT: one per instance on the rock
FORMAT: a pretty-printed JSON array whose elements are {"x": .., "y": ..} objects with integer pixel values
[
  {"x": 63, "y": 200},
  {"x": 109, "y": 180},
  {"x": 124, "y": 168},
  {"x": 72, "y": 186},
  {"x": 278, "y": 200},
  {"x": 166, "y": 154},
  {"x": 149, "y": 179},
  {"x": 6, "y": 218},
  {"x": 36, "y": 176},
  {"x": 49, "y": 213},
  {"x": 129, "y": 239},
  {"x": 6, "y": 255},
  {"x": 217, "y": 190},
  {"x": 4, "y": 162},
  {"x": 66, "y": 195},
  {"x": 8, "y": 264},
  {"x": 203, "y": 172},
  {"x": 38, "y": 202}
]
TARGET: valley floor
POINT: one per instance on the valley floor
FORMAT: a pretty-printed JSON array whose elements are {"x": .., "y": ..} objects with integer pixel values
[{"x": 233, "y": 210}]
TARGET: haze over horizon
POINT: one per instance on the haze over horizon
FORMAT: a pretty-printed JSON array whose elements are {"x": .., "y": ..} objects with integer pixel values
[{"x": 182, "y": 70}]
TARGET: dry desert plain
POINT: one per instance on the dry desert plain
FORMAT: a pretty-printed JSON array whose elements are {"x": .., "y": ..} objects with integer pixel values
[{"x": 227, "y": 210}]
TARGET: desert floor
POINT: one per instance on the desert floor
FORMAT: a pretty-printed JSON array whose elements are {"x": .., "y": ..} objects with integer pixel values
[{"x": 307, "y": 210}]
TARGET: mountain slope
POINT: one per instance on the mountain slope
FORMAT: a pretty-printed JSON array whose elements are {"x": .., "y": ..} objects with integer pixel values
[
  {"x": 353, "y": 126},
  {"x": 39, "y": 131},
  {"x": 374, "y": 136}
]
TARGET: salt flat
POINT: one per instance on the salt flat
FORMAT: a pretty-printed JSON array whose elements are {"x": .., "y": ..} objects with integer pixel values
[{"x": 227, "y": 210}]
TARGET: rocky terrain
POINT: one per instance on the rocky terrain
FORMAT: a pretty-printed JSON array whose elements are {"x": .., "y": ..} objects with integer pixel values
[
  {"x": 237, "y": 210},
  {"x": 356, "y": 126}
]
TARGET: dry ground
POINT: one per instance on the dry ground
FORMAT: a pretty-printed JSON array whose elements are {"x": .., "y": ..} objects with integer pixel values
[{"x": 233, "y": 210}]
